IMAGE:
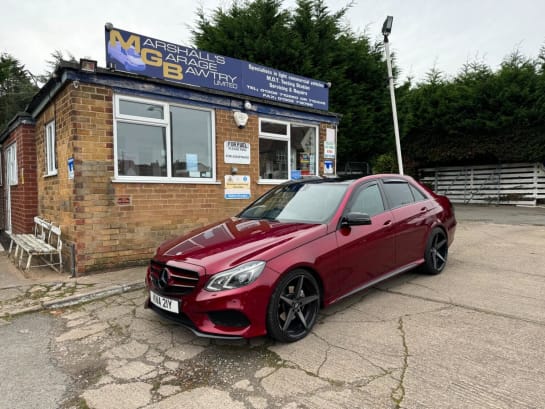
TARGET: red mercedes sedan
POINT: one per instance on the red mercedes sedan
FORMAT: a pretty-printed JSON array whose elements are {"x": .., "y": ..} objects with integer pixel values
[{"x": 302, "y": 246}]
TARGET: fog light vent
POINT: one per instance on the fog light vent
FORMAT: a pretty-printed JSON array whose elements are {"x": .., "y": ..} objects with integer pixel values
[{"x": 229, "y": 318}]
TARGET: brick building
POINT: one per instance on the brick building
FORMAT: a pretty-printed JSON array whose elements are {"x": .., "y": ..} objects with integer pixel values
[
  {"x": 18, "y": 176},
  {"x": 123, "y": 161}
]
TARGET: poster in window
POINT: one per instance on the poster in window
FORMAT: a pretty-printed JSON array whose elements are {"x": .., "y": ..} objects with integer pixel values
[
  {"x": 192, "y": 164},
  {"x": 304, "y": 163},
  {"x": 329, "y": 150}
]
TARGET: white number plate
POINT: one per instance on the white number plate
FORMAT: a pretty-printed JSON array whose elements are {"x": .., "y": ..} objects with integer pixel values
[{"x": 164, "y": 303}]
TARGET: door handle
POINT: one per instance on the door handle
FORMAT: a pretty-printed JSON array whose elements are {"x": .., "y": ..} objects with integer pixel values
[
  {"x": 423, "y": 209},
  {"x": 387, "y": 222}
]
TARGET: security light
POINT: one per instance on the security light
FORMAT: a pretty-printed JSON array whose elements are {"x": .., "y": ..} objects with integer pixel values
[
  {"x": 387, "y": 26},
  {"x": 87, "y": 65}
]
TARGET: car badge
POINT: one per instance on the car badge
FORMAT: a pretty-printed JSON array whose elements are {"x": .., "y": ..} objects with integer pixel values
[{"x": 163, "y": 279}]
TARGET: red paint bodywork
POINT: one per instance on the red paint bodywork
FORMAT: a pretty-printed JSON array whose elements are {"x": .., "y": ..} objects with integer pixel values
[{"x": 344, "y": 260}]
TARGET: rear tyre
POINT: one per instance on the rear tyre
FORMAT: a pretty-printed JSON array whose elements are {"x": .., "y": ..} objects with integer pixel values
[
  {"x": 436, "y": 252},
  {"x": 293, "y": 307}
]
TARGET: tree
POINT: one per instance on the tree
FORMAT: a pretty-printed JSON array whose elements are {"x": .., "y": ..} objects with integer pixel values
[
  {"x": 480, "y": 116},
  {"x": 311, "y": 41},
  {"x": 254, "y": 31},
  {"x": 57, "y": 57},
  {"x": 17, "y": 88}
]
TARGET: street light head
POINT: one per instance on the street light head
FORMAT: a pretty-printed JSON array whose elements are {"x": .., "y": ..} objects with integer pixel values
[{"x": 387, "y": 26}]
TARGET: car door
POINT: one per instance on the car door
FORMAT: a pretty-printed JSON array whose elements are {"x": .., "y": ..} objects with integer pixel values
[
  {"x": 411, "y": 211},
  {"x": 365, "y": 252}
]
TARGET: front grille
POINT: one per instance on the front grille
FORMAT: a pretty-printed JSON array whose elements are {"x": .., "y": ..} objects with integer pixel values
[{"x": 180, "y": 281}]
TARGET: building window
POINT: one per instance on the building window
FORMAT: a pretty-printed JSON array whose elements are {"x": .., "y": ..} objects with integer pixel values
[
  {"x": 286, "y": 150},
  {"x": 11, "y": 165},
  {"x": 157, "y": 141},
  {"x": 50, "y": 154}
]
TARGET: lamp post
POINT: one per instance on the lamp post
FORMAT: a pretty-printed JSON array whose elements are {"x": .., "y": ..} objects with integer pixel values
[{"x": 386, "y": 30}]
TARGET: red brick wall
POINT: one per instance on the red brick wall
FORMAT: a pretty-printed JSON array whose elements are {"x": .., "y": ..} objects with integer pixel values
[
  {"x": 24, "y": 198},
  {"x": 93, "y": 210}
]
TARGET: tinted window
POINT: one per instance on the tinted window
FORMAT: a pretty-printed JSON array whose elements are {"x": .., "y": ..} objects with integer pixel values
[
  {"x": 368, "y": 200},
  {"x": 418, "y": 195},
  {"x": 398, "y": 193}
]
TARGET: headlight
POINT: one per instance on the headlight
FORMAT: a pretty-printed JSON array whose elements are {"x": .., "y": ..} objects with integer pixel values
[{"x": 236, "y": 277}]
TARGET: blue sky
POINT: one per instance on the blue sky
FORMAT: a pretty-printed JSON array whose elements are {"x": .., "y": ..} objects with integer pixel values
[{"x": 426, "y": 34}]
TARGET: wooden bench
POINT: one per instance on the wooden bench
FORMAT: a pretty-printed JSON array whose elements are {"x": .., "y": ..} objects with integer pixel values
[{"x": 45, "y": 242}]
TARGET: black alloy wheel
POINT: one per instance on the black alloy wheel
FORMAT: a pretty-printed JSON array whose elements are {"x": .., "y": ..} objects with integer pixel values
[
  {"x": 293, "y": 307},
  {"x": 436, "y": 252}
]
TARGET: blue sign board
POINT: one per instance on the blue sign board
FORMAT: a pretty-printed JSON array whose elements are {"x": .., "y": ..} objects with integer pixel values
[
  {"x": 70, "y": 168},
  {"x": 148, "y": 56},
  {"x": 296, "y": 174}
]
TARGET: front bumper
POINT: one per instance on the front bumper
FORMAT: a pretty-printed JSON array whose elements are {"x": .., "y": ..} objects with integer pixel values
[{"x": 229, "y": 314}]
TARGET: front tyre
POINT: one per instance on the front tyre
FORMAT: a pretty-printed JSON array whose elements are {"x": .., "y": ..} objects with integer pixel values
[
  {"x": 436, "y": 252},
  {"x": 293, "y": 307}
]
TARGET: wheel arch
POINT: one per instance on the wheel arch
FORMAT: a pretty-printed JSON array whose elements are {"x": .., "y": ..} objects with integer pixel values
[
  {"x": 314, "y": 274},
  {"x": 439, "y": 226}
]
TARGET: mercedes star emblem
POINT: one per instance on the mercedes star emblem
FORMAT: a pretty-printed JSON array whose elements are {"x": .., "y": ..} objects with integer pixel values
[{"x": 163, "y": 279}]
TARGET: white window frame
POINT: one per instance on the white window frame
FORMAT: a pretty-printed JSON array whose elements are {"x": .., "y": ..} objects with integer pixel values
[
  {"x": 164, "y": 123},
  {"x": 11, "y": 165},
  {"x": 50, "y": 143},
  {"x": 276, "y": 137},
  {"x": 287, "y": 137}
]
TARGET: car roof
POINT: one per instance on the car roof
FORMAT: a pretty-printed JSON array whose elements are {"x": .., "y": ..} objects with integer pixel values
[{"x": 348, "y": 181}]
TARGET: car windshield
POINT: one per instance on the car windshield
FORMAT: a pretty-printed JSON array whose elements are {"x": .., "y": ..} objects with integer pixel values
[{"x": 300, "y": 202}]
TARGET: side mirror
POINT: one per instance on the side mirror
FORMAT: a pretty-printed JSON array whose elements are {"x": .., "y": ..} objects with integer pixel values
[{"x": 355, "y": 219}]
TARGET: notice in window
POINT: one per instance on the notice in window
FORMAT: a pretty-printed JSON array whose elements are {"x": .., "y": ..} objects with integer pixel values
[
  {"x": 192, "y": 164},
  {"x": 329, "y": 150}
]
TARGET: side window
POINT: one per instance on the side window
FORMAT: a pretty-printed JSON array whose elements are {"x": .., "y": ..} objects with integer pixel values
[
  {"x": 418, "y": 195},
  {"x": 398, "y": 193},
  {"x": 368, "y": 200}
]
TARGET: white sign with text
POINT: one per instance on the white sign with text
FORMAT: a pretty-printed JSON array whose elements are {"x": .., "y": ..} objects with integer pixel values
[{"x": 237, "y": 152}]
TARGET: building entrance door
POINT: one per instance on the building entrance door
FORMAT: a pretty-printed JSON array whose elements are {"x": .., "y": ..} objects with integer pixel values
[{"x": 11, "y": 179}]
